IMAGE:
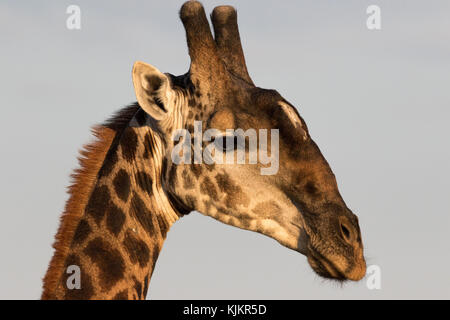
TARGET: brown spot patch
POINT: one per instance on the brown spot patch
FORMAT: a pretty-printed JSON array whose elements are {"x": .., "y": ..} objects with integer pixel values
[
  {"x": 163, "y": 227},
  {"x": 172, "y": 175},
  {"x": 128, "y": 142},
  {"x": 207, "y": 204},
  {"x": 137, "y": 287},
  {"x": 122, "y": 185},
  {"x": 191, "y": 202},
  {"x": 109, "y": 163},
  {"x": 137, "y": 249},
  {"x": 187, "y": 180},
  {"x": 108, "y": 260},
  {"x": 147, "y": 146},
  {"x": 142, "y": 214},
  {"x": 245, "y": 223},
  {"x": 267, "y": 209},
  {"x": 98, "y": 202},
  {"x": 115, "y": 219},
  {"x": 144, "y": 181},
  {"x": 208, "y": 187},
  {"x": 121, "y": 295},
  {"x": 82, "y": 232},
  {"x": 234, "y": 194},
  {"x": 196, "y": 169}
]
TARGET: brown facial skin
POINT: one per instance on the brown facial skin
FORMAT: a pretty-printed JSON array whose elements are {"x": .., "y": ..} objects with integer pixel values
[
  {"x": 333, "y": 241},
  {"x": 299, "y": 206}
]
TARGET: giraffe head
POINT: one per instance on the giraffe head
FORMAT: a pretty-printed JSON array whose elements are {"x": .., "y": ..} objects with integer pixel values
[{"x": 298, "y": 203}]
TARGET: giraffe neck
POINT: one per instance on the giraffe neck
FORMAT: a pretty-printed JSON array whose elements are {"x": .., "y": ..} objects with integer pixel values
[{"x": 115, "y": 233}]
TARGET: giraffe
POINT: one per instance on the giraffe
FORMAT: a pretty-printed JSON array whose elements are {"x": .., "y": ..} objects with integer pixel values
[{"x": 128, "y": 192}]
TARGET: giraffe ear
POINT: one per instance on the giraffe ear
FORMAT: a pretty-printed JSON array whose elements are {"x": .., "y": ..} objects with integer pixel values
[{"x": 153, "y": 90}]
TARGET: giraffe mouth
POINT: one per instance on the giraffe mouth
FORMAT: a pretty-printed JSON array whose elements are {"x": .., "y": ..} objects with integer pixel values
[
  {"x": 323, "y": 266},
  {"x": 318, "y": 262}
]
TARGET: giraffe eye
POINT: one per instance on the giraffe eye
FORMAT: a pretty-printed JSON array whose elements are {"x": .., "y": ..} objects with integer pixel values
[{"x": 226, "y": 143}]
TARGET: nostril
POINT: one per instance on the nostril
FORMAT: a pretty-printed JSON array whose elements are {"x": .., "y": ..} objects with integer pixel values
[{"x": 345, "y": 232}]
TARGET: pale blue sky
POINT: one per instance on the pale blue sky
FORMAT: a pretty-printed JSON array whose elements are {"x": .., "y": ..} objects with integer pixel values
[{"x": 376, "y": 102}]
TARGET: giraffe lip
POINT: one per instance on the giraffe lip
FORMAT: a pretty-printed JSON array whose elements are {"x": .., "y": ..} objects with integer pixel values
[{"x": 323, "y": 266}]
